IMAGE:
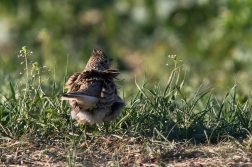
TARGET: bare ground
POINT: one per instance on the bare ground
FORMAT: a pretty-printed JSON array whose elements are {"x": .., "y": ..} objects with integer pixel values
[{"x": 114, "y": 150}]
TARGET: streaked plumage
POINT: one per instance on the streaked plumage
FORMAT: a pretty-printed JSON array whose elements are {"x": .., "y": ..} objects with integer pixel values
[
  {"x": 92, "y": 89},
  {"x": 93, "y": 93},
  {"x": 98, "y": 61}
]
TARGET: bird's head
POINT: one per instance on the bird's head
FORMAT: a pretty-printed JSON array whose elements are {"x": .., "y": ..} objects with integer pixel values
[{"x": 98, "y": 61}]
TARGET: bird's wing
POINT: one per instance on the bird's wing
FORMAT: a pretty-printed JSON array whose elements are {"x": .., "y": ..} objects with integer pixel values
[
  {"x": 108, "y": 94},
  {"x": 115, "y": 110},
  {"x": 109, "y": 73},
  {"x": 104, "y": 85},
  {"x": 90, "y": 86},
  {"x": 85, "y": 83},
  {"x": 70, "y": 84},
  {"x": 88, "y": 102}
]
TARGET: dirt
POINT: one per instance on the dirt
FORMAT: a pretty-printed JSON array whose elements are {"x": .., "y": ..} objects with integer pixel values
[{"x": 114, "y": 150}]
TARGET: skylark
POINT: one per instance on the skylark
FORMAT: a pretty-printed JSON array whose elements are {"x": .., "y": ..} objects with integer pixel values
[{"x": 92, "y": 93}]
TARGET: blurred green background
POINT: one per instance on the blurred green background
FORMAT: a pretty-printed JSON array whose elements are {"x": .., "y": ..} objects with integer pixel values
[{"x": 213, "y": 38}]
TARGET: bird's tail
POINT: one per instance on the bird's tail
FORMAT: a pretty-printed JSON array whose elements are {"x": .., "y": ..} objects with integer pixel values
[{"x": 81, "y": 99}]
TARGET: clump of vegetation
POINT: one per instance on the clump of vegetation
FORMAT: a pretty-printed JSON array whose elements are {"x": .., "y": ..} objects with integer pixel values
[
  {"x": 28, "y": 110},
  {"x": 167, "y": 113}
]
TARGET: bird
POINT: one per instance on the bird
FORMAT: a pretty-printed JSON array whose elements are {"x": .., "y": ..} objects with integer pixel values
[
  {"x": 96, "y": 91},
  {"x": 93, "y": 93}
]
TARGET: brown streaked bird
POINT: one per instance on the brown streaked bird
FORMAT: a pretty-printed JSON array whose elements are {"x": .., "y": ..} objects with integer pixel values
[{"x": 93, "y": 93}]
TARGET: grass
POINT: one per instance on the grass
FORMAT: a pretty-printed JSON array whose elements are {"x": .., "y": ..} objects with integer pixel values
[{"x": 160, "y": 126}]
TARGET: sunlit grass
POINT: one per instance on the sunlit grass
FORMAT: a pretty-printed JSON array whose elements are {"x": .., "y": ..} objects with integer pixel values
[{"x": 32, "y": 112}]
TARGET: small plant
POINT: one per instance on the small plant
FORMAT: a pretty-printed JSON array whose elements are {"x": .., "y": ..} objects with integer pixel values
[
  {"x": 165, "y": 113},
  {"x": 29, "y": 110}
]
